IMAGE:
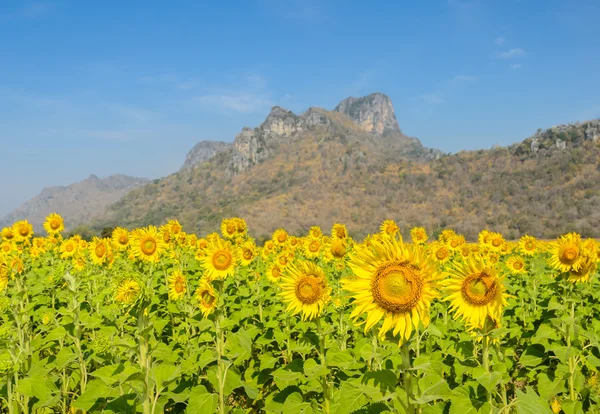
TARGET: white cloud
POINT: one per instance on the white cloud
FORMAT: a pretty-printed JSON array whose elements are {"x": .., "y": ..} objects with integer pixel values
[
  {"x": 516, "y": 66},
  {"x": 500, "y": 40},
  {"x": 237, "y": 102},
  {"x": 432, "y": 98},
  {"x": 512, "y": 53}
]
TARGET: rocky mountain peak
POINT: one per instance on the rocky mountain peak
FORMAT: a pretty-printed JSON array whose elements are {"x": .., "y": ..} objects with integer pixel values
[
  {"x": 203, "y": 151},
  {"x": 281, "y": 122},
  {"x": 373, "y": 113}
]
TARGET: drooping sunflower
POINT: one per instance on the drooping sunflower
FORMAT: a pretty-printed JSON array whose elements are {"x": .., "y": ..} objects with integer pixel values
[
  {"x": 339, "y": 231},
  {"x": 312, "y": 248},
  {"x": 98, "y": 250},
  {"x": 516, "y": 265},
  {"x": 7, "y": 234},
  {"x": 274, "y": 273},
  {"x": 566, "y": 253},
  {"x": 280, "y": 237},
  {"x": 229, "y": 228},
  {"x": 484, "y": 237},
  {"x": 241, "y": 226},
  {"x": 247, "y": 252},
  {"x": 68, "y": 248},
  {"x": 528, "y": 245},
  {"x": 475, "y": 291},
  {"x": 79, "y": 262},
  {"x": 446, "y": 234},
  {"x": 394, "y": 282},
  {"x": 120, "y": 238},
  {"x": 127, "y": 291},
  {"x": 54, "y": 224},
  {"x": 389, "y": 228},
  {"x": 146, "y": 244},
  {"x": 23, "y": 230},
  {"x": 3, "y": 273},
  {"x": 174, "y": 227},
  {"x": 207, "y": 297},
  {"x": 337, "y": 248},
  {"x": 455, "y": 242},
  {"x": 305, "y": 289},
  {"x": 177, "y": 285},
  {"x": 418, "y": 235},
  {"x": 220, "y": 260},
  {"x": 585, "y": 271},
  {"x": 282, "y": 260}
]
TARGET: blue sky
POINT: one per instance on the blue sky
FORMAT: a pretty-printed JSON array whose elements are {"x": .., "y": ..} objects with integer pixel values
[{"x": 129, "y": 87}]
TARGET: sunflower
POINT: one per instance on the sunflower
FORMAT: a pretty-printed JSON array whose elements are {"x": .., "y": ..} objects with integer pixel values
[
  {"x": 79, "y": 263},
  {"x": 229, "y": 228},
  {"x": 23, "y": 230},
  {"x": 484, "y": 237},
  {"x": 98, "y": 249},
  {"x": 528, "y": 245},
  {"x": 241, "y": 226},
  {"x": 68, "y": 248},
  {"x": 127, "y": 291},
  {"x": 446, "y": 234},
  {"x": 16, "y": 265},
  {"x": 174, "y": 227},
  {"x": 120, "y": 238},
  {"x": 6, "y": 247},
  {"x": 496, "y": 241},
  {"x": 294, "y": 242},
  {"x": 247, "y": 253},
  {"x": 220, "y": 260},
  {"x": 465, "y": 250},
  {"x": 280, "y": 237},
  {"x": 516, "y": 265},
  {"x": 475, "y": 291},
  {"x": 339, "y": 231},
  {"x": 315, "y": 232},
  {"x": 418, "y": 235},
  {"x": 3, "y": 274},
  {"x": 584, "y": 273},
  {"x": 394, "y": 282},
  {"x": 337, "y": 248},
  {"x": 146, "y": 244},
  {"x": 440, "y": 252},
  {"x": 389, "y": 228},
  {"x": 207, "y": 297},
  {"x": 566, "y": 253},
  {"x": 274, "y": 273},
  {"x": 312, "y": 248},
  {"x": 177, "y": 285},
  {"x": 282, "y": 260},
  {"x": 305, "y": 290},
  {"x": 54, "y": 224},
  {"x": 455, "y": 242},
  {"x": 7, "y": 234}
]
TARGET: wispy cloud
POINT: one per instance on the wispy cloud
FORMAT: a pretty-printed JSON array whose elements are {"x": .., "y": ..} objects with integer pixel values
[
  {"x": 237, "y": 102},
  {"x": 510, "y": 54},
  {"x": 516, "y": 66},
  {"x": 500, "y": 40},
  {"x": 447, "y": 89},
  {"x": 432, "y": 98}
]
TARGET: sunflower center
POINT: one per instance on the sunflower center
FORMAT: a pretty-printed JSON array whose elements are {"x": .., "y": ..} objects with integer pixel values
[
  {"x": 496, "y": 242},
  {"x": 341, "y": 233},
  {"x": 282, "y": 261},
  {"x": 166, "y": 237},
  {"x": 231, "y": 229},
  {"x": 441, "y": 253},
  {"x": 338, "y": 251},
  {"x": 123, "y": 239},
  {"x": 518, "y": 265},
  {"x": 54, "y": 224},
  {"x": 247, "y": 254},
  {"x": 569, "y": 254},
  {"x": 69, "y": 247},
  {"x": 479, "y": 289},
  {"x": 23, "y": 231},
  {"x": 529, "y": 246},
  {"x": 281, "y": 238},
  {"x": 314, "y": 246},
  {"x": 100, "y": 250},
  {"x": 397, "y": 286},
  {"x": 276, "y": 272},
  {"x": 207, "y": 298},
  {"x": 390, "y": 229},
  {"x": 148, "y": 247},
  {"x": 221, "y": 260},
  {"x": 308, "y": 289},
  {"x": 179, "y": 286}
]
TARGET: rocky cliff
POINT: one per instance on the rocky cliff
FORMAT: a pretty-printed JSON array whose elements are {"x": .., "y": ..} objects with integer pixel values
[
  {"x": 373, "y": 113},
  {"x": 77, "y": 203},
  {"x": 203, "y": 151}
]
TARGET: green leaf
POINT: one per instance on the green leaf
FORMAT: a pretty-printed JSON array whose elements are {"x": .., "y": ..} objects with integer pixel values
[
  {"x": 313, "y": 369},
  {"x": 433, "y": 387},
  {"x": 238, "y": 346},
  {"x": 163, "y": 374},
  {"x": 572, "y": 407},
  {"x": 37, "y": 386},
  {"x": 531, "y": 403},
  {"x": 489, "y": 380},
  {"x": 95, "y": 392},
  {"x": 201, "y": 401},
  {"x": 283, "y": 374},
  {"x": 533, "y": 355},
  {"x": 348, "y": 399},
  {"x": 341, "y": 359}
]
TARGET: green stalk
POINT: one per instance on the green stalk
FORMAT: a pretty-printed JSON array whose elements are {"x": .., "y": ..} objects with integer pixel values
[
  {"x": 221, "y": 372},
  {"x": 325, "y": 381},
  {"x": 144, "y": 360},
  {"x": 572, "y": 362},
  {"x": 486, "y": 359},
  {"x": 406, "y": 366}
]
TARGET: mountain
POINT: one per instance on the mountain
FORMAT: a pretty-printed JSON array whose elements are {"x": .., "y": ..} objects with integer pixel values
[
  {"x": 354, "y": 165},
  {"x": 77, "y": 203},
  {"x": 203, "y": 151}
]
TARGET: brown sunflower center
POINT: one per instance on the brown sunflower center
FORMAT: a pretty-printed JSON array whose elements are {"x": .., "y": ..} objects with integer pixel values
[
  {"x": 529, "y": 246},
  {"x": 148, "y": 247},
  {"x": 341, "y": 233},
  {"x": 179, "y": 285},
  {"x": 276, "y": 272},
  {"x": 54, "y": 224},
  {"x": 479, "y": 289},
  {"x": 281, "y": 238},
  {"x": 222, "y": 260},
  {"x": 231, "y": 228},
  {"x": 496, "y": 242},
  {"x": 441, "y": 253},
  {"x": 247, "y": 254},
  {"x": 207, "y": 298},
  {"x": 69, "y": 247},
  {"x": 282, "y": 260},
  {"x": 569, "y": 254},
  {"x": 100, "y": 250},
  {"x": 518, "y": 265},
  {"x": 314, "y": 246},
  {"x": 123, "y": 239},
  {"x": 391, "y": 229},
  {"x": 397, "y": 286},
  {"x": 309, "y": 289},
  {"x": 338, "y": 251},
  {"x": 454, "y": 243},
  {"x": 24, "y": 231}
]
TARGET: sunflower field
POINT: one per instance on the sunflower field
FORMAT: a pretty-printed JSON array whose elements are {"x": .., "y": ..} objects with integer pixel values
[{"x": 155, "y": 320}]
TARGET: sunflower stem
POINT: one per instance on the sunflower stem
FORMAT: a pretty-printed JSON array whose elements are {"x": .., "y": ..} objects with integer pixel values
[
  {"x": 406, "y": 366},
  {"x": 486, "y": 360},
  {"x": 572, "y": 363},
  {"x": 144, "y": 359},
  {"x": 325, "y": 380}
]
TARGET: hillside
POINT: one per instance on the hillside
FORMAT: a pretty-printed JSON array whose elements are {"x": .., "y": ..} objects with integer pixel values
[
  {"x": 77, "y": 203},
  {"x": 354, "y": 165}
]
